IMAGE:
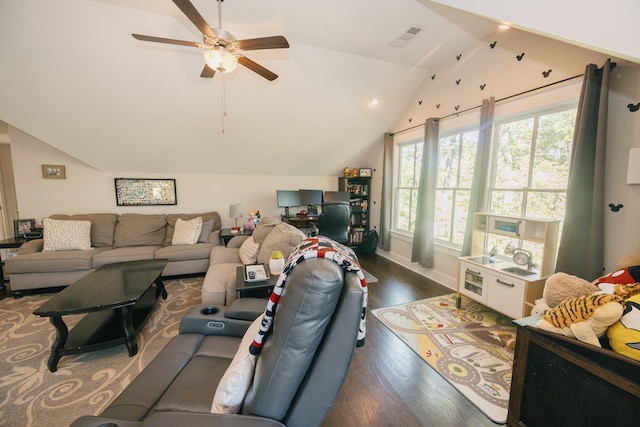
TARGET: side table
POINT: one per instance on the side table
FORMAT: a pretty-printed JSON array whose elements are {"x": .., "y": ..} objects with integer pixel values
[
  {"x": 226, "y": 234},
  {"x": 11, "y": 243},
  {"x": 253, "y": 289}
]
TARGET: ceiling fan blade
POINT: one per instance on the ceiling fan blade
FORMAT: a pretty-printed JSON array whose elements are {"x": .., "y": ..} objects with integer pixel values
[
  {"x": 274, "y": 42},
  {"x": 257, "y": 68},
  {"x": 194, "y": 16},
  {"x": 207, "y": 72},
  {"x": 167, "y": 41}
]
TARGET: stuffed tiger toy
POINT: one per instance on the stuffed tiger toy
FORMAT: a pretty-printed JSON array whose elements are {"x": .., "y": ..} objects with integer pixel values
[
  {"x": 577, "y": 309},
  {"x": 585, "y": 318}
]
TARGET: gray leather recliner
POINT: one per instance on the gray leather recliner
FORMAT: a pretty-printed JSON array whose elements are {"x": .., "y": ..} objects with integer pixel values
[{"x": 298, "y": 374}]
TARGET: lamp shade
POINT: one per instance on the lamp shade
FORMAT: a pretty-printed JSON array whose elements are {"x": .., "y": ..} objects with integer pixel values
[
  {"x": 235, "y": 211},
  {"x": 220, "y": 59}
]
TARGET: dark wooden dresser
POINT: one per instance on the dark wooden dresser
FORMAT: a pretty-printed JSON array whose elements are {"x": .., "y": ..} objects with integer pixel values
[{"x": 559, "y": 381}]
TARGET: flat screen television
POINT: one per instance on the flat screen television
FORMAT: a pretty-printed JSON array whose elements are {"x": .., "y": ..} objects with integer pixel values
[
  {"x": 287, "y": 199},
  {"x": 336, "y": 196},
  {"x": 310, "y": 198}
]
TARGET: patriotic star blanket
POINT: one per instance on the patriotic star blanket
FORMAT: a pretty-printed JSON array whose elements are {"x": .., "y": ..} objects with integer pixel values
[{"x": 313, "y": 247}]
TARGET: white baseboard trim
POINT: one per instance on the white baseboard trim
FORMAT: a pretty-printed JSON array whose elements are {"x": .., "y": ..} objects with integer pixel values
[{"x": 441, "y": 279}]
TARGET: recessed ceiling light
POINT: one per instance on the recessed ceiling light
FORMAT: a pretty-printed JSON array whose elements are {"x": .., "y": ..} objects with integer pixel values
[
  {"x": 504, "y": 26},
  {"x": 374, "y": 102}
]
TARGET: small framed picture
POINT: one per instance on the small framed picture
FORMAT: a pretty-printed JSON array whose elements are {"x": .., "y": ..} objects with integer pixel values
[
  {"x": 23, "y": 226},
  {"x": 365, "y": 172},
  {"x": 54, "y": 172}
]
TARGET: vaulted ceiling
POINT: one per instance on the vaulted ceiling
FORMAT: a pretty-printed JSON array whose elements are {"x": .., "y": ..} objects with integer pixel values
[{"x": 73, "y": 77}]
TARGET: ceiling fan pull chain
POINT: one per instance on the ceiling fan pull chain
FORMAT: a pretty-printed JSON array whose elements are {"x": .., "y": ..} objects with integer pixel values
[{"x": 224, "y": 100}]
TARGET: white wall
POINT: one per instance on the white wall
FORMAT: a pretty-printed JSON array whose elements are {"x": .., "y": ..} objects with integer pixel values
[
  {"x": 609, "y": 27},
  {"x": 623, "y": 132},
  {"x": 87, "y": 190},
  {"x": 503, "y": 75}
]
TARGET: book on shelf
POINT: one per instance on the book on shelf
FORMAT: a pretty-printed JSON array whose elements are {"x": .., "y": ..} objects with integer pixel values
[{"x": 256, "y": 273}]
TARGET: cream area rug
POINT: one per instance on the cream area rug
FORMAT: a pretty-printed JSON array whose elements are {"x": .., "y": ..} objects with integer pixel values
[
  {"x": 466, "y": 346},
  {"x": 84, "y": 384}
]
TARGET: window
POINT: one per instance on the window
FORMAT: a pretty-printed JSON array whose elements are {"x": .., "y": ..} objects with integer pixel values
[
  {"x": 406, "y": 192},
  {"x": 530, "y": 171},
  {"x": 456, "y": 160},
  {"x": 531, "y": 168}
]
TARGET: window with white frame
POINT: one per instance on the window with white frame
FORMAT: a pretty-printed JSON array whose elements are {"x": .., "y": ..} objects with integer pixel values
[
  {"x": 456, "y": 160},
  {"x": 530, "y": 169},
  {"x": 406, "y": 190},
  {"x": 531, "y": 164}
]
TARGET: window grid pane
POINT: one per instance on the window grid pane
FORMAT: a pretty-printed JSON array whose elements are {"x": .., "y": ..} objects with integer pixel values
[
  {"x": 456, "y": 161},
  {"x": 532, "y": 165}
]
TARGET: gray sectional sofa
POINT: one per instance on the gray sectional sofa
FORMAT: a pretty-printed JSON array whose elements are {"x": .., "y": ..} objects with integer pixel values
[
  {"x": 297, "y": 376},
  {"x": 114, "y": 238}
]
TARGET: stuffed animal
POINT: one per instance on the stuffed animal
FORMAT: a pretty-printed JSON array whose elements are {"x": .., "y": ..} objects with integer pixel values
[
  {"x": 624, "y": 335},
  {"x": 623, "y": 276},
  {"x": 585, "y": 318},
  {"x": 559, "y": 287},
  {"x": 628, "y": 261}
]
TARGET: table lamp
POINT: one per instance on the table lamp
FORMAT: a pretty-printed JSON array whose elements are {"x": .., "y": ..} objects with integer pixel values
[{"x": 235, "y": 211}]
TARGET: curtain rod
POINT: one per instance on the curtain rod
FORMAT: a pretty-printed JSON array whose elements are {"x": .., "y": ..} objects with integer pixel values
[{"x": 498, "y": 100}]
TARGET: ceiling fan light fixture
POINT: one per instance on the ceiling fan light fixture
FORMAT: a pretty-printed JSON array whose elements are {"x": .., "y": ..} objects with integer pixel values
[{"x": 220, "y": 59}]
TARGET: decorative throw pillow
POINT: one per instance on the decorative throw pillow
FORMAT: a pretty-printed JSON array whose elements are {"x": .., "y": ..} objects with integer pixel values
[
  {"x": 249, "y": 251},
  {"x": 60, "y": 235},
  {"x": 236, "y": 380},
  {"x": 207, "y": 228},
  {"x": 187, "y": 232}
]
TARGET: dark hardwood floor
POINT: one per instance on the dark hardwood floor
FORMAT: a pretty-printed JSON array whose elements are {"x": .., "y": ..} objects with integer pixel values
[{"x": 387, "y": 383}]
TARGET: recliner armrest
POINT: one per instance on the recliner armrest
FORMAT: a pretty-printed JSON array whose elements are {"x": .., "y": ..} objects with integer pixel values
[
  {"x": 31, "y": 246},
  {"x": 224, "y": 255},
  {"x": 210, "y": 320},
  {"x": 94, "y": 421},
  {"x": 172, "y": 419}
]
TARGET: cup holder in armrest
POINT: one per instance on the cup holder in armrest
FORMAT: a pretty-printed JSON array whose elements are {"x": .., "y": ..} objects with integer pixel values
[{"x": 209, "y": 310}]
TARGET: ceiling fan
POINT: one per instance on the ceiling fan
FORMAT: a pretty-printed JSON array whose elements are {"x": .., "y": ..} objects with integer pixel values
[{"x": 222, "y": 52}]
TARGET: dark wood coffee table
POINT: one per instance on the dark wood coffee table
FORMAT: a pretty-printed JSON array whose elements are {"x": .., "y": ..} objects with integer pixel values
[{"x": 117, "y": 299}]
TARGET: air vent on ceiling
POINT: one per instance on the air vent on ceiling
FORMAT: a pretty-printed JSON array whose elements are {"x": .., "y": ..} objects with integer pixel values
[{"x": 406, "y": 37}]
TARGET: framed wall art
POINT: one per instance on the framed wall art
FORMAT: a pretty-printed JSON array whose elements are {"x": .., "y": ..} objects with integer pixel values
[
  {"x": 54, "y": 172},
  {"x": 23, "y": 226},
  {"x": 365, "y": 172},
  {"x": 145, "y": 192}
]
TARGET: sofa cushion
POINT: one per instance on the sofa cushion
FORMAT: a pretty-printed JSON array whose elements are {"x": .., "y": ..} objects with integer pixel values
[
  {"x": 140, "y": 230},
  {"x": 187, "y": 232},
  {"x": 102, "y": 226},
  {"x": 264, "y": 227},
  {"x": 237, "y": 378},
  {"x": 51, "y": 262},
  {"x": 131, "y": 253},
  {"x": 207, "y": 228},
  {"x": 206, "y": 216},
  {"x": 283, "y": 237},
  {"x": 62, "y": 235},
  {"x": 249, "y": 251},
  {"x": 184, "y": 252}
]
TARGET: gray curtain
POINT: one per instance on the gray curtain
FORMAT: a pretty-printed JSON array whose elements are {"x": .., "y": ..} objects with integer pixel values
[
  {"x": 581, "y": 250},
  {"x": 386, "y": 200},
  {"x": 422, "y": 251},
  {"x": 480, "y": 183}
]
